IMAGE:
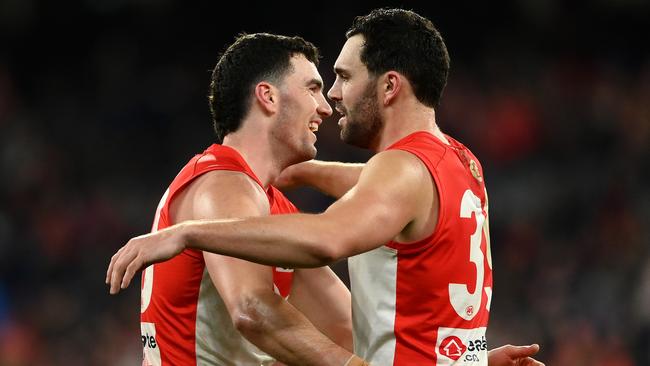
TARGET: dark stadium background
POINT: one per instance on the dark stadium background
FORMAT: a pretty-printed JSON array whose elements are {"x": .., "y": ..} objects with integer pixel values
[{"x": 102, "y": 101}]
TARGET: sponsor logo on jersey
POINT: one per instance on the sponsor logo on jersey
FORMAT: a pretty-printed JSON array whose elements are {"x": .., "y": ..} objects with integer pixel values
[
  {"x": 148, "y": 340},
  {"x": 150, "y": 349},
  {"x": 462, "y": 346},
  {"x": 452, "y": 347}
]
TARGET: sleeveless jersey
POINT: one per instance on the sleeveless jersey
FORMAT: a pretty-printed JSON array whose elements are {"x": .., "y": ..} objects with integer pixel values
[
  {"x": 183, "y": 319},
  {"x": 428, "y": 302}
]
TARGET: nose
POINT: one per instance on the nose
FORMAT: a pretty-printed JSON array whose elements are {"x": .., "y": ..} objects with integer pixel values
[
  {"x": 334, "y": 94},
  {"x": 324, "y": 108}
]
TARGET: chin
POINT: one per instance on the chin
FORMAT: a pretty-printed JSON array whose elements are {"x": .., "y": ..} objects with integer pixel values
[
  {"x": 352, "y": 139},
  {"x": 312, "y": 153},
  {"x": 304, "y": 155}
]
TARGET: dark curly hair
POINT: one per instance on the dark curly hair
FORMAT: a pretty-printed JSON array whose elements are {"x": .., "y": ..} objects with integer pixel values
[
  {"x": 249, "y": 60},
  {"x": 401, "y": 40}
]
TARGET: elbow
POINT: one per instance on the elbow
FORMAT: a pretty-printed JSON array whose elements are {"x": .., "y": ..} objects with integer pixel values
[
  {"x": 330, "y": 241},
  {"x": 247, "y": 317},
  {"x": 324, "y": 255},
  {"x": 327, "y": 250}
]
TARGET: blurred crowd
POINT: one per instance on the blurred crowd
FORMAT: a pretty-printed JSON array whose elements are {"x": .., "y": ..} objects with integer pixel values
[{"x": 102, "y": 102}]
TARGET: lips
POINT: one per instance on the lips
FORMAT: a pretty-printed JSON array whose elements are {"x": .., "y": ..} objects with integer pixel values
[
  {"x": 339, "y": 108},
  {"x": 313, "y": 125}
]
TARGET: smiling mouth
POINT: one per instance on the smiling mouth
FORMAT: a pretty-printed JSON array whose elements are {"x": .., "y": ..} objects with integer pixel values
[{"x": 313, "y": 126}]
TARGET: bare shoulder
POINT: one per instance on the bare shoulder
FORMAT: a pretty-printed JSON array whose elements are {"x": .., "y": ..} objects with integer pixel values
[
  {"x": 223, "y": 184},
  {"x": 396, "y": 165},
  {"x": 222, "y": 194},
  {"x": 406, "y": 187},
  {"x": 394, "y": 179}
]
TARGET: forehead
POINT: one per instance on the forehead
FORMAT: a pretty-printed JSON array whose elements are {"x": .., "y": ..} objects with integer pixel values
[
  {"x": 350, "y": 56},
  {"x": 303, "y": 69}
]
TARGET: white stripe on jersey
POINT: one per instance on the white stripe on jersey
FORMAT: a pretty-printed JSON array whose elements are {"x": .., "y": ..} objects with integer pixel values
[
  {"x": 217, "y": 340},
  {"x": 373, "y": 282}
]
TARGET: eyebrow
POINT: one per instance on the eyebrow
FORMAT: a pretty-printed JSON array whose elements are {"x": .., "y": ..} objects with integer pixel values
[
  {"x": 340, "y": 70},
  {"x": 317, "y": 82}
]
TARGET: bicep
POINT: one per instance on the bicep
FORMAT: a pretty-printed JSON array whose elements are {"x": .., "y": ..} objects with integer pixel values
[
  {"x": 237, "y": 279},
  {"x": 227, "y": 195},
  {"x": 382, "y": 203}
]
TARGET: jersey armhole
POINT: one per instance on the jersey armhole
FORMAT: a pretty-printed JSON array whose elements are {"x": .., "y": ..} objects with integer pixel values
[{"x": 427, "y": 241}]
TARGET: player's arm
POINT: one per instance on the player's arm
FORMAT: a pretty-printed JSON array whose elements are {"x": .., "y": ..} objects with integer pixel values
[
  {"x": 320, "y": 295},
  {"x": 384, "y": 202},
  {"x": 257, "y": 312},
  {"x": 331, "y": 178},
  {"x": 510, "y": 355}
]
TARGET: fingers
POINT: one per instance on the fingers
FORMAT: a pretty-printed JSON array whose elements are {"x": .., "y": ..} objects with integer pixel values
[
  {"x": 523, "y": 351},
  {"x": 131, "y": 270},
  {"x": 109, "y": 270},
  {"x": 110, "y": 266},
  {"x": 533, "y": 362},
  {"x": 114, "y": 268},
  {"x": 119, "y": 265}
]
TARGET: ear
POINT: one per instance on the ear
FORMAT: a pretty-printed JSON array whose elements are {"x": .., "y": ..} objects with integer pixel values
[
  {"x": 266, "y": 97},
  {"x": 391, "y": 86}
]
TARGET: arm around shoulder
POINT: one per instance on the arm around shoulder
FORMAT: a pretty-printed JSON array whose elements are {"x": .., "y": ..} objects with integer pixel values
[
  {"x": 331, "y": 178},
  {"x": 386, "y": 200}
]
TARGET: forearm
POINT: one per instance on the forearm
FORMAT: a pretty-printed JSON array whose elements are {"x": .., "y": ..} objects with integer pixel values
[
  {"x": 289, "y": 241},
  {"x": 323, "y": 298},
  {"x": 354, "y": 224},
  {"x": 340, "y": 334},
  {"x": 331, "y": 178},
  {"x": 280, "y": 330}
]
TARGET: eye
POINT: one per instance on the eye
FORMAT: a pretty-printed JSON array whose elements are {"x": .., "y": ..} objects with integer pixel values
[{"x": 315, "y": 89}]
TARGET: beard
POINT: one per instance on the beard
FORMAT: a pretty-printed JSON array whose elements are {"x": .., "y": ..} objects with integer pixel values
[{"x": 364, "y": 123}]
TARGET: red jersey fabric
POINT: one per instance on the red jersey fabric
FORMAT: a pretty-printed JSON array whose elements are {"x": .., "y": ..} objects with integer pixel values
[
  {"x": 183, "y": 319},
  {"x": 427, "y": 303}
]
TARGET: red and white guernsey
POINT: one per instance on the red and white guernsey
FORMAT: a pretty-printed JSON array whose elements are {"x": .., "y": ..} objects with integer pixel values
[
  {"x": 428, "y": 303},
  {"x": 183, "y": 319}
]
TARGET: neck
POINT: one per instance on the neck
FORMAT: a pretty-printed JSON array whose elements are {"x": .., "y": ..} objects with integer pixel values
[
  {"x": 257, "y": 153},
  {"x": 401, "y": 121}
]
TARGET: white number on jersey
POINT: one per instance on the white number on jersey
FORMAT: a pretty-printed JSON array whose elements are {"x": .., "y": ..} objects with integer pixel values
[
  {"x": 465, "y": 303},
  {"x": 147, "y": 276}
]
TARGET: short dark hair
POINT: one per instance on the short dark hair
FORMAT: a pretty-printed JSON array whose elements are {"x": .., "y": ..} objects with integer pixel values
[
  {"x": 247, "y": 61},
  {"x": 401, "y": 40}
]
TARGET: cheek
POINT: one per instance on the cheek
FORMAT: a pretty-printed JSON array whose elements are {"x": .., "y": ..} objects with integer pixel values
[
  {"x": 350, "y": 94},
  {"x": 309, "y": 103}
]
